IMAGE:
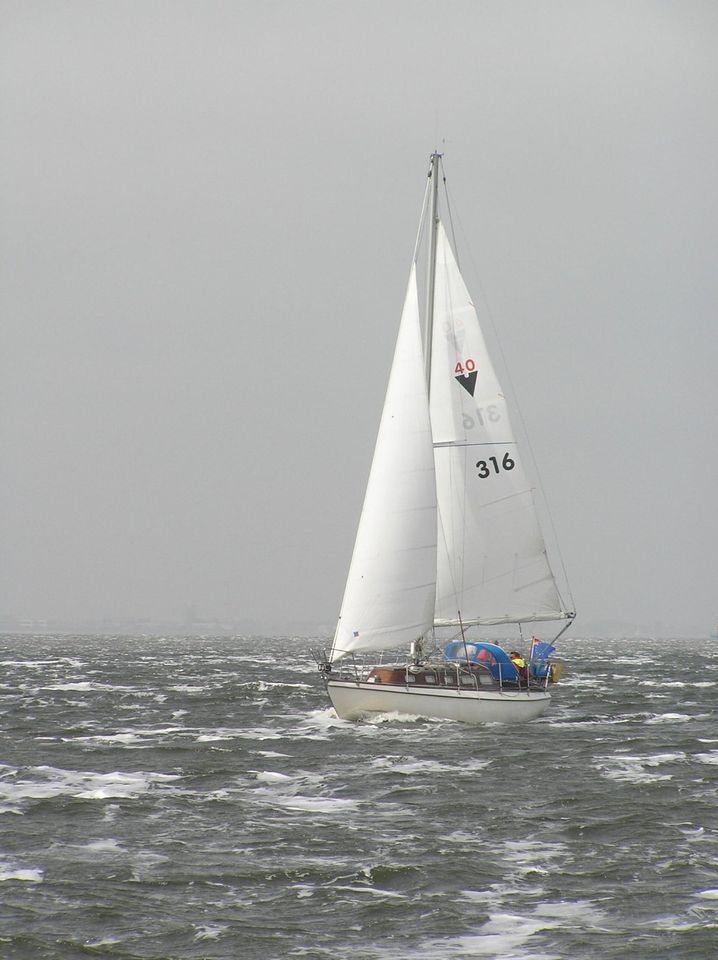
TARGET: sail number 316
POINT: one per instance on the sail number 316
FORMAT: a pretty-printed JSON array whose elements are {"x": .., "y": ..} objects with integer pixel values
[{"x": 492, "y": 465}]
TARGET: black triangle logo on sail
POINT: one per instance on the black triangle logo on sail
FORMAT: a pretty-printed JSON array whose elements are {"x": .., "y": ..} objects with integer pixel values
[{"x": 467, "y": 381}]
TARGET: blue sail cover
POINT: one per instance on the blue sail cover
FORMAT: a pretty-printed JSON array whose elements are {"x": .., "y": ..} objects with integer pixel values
[{"x": 488, "y": 654}]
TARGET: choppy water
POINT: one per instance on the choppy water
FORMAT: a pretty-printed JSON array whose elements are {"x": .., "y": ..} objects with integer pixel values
[{"x": 173, "y": 798}]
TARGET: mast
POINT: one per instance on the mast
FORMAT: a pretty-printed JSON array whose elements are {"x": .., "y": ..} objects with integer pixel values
[{"x": 431, "y": 265}]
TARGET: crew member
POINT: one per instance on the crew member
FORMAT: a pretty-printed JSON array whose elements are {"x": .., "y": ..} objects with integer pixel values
[{"x": 520, "y": 664}]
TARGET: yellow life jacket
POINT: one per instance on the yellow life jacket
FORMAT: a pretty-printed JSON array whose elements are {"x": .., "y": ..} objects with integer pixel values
[{"x": 518, "y": 662}]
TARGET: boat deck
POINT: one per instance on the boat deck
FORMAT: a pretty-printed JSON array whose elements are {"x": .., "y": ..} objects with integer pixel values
[{"x": 453, "y": 676}]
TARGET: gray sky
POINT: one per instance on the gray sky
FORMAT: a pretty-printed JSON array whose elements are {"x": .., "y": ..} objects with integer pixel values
[{"x": 208, "y": 212}]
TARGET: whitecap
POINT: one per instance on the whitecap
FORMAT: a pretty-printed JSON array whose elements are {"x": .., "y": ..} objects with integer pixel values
[
  {"x": 710, "y": 894},
  {"x": 573, "y": 910},
  {"x": 208, "y": 734},
  {"x": 632, "y": 768},
  {"x": 498, "y": 937},
  {"x": 408, "y": 766},
  {"x": 533, "y": 851},
  {"x": 210, "y": 931},
  {"x": 304, "y": 890},
  {"x": 103, "y": 846},
  {"x": 86, "y": 685},
  {"x": 268, "y": 776},
  {"x": 331, "y": 805},
  {"x": 481, "y": 896},
  {"x": 663, "y": 683},
  {"x": 374, "y": 891},
  {"x": 258, "y": 733},
  {"x": 54, "y": 782},
  {"x": 669, "y": 718},
  {"x": 32, "y": 875}
]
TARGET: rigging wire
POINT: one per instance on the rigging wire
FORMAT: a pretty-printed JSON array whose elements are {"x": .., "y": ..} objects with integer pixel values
[
  {"x": 422, "y": 219},
  {"x": 451, "y": 219}
]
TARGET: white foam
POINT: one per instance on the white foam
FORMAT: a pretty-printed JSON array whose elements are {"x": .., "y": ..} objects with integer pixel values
[
  {"x": 633, "y": 768},
  {"x": 128, "y": 736},
  {"x": 304, "y": 890},
  {"x": 258, "y": 733},
  {"x": 633, "y": 660},
  {"x": 210, "y": 931},
  {"x": 373, "y": 891},
  {"x": 86, "y": 685},
  {"x": 710, "y": 894},
  {"x": 233, "y": 733},
  {"x": 500, "y": 936},
  {"x": 267, "y": 776},
  {"x": 394, "y": 717},
  {"x": 103, "y": 846},
  {"x": 331, "y": 805},
  {"x": 663, "y": 683},
  {"x": 111, "y": 812},
  {"x": 481, "y": 896},
  {"x": 575, "y": 910},
  {"x": 710, "y": 757},
  {"x": 50, "y": 782},
  {"x": 408, "y": 766},
  {"x": 532, "y": 852},
  {"x": 37, "y": 664},
  {"x": 669, "y": 718},
  {"x": 32, "y": 875}
]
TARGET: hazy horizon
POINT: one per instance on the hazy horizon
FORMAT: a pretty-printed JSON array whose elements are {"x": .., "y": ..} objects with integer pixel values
[{"x": 208, "y": 213}]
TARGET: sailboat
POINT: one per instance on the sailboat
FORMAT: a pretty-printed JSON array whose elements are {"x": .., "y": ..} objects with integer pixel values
[{"x": 449, "y": 540}]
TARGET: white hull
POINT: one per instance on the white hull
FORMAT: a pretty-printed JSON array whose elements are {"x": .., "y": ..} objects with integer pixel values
[{"x": 353, "y": 700}]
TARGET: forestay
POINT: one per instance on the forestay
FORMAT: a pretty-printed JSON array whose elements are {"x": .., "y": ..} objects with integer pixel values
[
  {"x": 492, "y": 563},
  {"x": 389, "y": 596}
]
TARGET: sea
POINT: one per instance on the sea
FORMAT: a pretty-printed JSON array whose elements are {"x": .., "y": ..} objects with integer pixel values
[{"x": 183, "y": 798}]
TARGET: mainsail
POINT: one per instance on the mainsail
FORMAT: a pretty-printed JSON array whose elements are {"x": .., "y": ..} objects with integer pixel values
[
  {"x": 389, "y": 596},
  {"x": 492, "y": 562}
]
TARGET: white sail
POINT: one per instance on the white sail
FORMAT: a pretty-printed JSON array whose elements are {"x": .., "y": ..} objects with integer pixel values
[
  {"x": 389, "y": 596},
  {"x": 492, "y": 563}
]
